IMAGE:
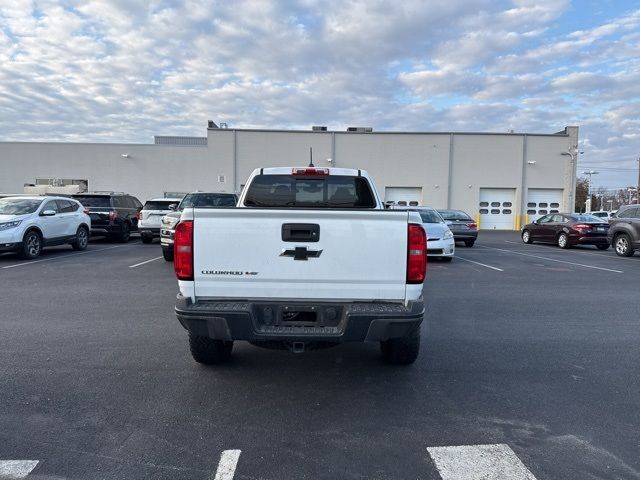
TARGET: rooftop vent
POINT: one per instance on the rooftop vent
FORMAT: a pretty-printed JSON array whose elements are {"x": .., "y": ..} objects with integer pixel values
[
  {"x": 319, "y": 128},
  {"x": 360, "y": 129},
  {"x": 188, "y": 141},
  {"x": 211, "y": 124}
]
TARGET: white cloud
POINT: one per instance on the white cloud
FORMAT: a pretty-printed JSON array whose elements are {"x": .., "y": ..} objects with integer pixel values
[{"x": 124, "y": 70}]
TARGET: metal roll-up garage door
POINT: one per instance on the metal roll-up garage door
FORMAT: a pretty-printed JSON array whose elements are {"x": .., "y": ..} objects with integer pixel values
[
  {"x": 403, "y": 195},
  {"x": 497, "y": 208},
  {"x": 541, "y": 201}
]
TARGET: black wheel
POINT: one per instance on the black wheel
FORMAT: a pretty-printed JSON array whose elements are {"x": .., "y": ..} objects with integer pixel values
[
  {"x": 31, "y": 245},
  {"x": 82, "y": 239},
  {"x": 125, "y": 233},
  {"x": 526, "y": 236},
  {"x": 167, "y": 253},
  {"x": 622, "y": 245},
  {"x": 563, "y": 240},
  {"x": 469, "y": 243},
  {"x": 447, "y": 259},
  {"x": 146, "y": 238},
  {"x": 602, "y": 247},
  {"x": 403, "y": 350},
  {"x": 208, "y": 351}
]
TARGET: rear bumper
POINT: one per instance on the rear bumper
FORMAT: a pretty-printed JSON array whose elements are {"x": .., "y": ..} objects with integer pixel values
[
  {"x": 352, "y": 322},
  {"x": 578, "y": 240},
  {"x": 462, "y": 236},
  {"x": 151, "y": 231},
  {"x": 441, "y": 248}
]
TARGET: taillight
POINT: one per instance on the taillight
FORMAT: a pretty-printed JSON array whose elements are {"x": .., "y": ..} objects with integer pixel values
[
  {"x": 416, "y": 254},
  {"x": 139, "y": 215},
  {"x": 183, "y": 250},
  {"x": 87, "y": 211},
  {"x": 310, "y": 171},
  {"x": 472, "y": 226},
  {"x": 113, "y": 215},
  {"x": 582, "y": 228}
]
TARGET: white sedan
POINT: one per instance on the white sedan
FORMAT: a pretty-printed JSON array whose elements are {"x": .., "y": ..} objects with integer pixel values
[
  {"x": 440, "y": 242},
  {"x": 27, "y": 224}
]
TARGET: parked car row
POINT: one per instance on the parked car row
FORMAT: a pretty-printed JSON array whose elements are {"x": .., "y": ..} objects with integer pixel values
[{"x": 566, "y": 230}]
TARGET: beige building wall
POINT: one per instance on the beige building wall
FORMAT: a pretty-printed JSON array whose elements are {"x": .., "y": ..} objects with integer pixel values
[
  {"x": 147, "y": 171},
  {"x": 450, "y": 168}
]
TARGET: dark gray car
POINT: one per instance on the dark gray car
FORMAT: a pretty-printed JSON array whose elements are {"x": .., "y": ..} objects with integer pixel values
[
  {"x": 464, "y": 228},
  {"x": 624, "y": 230}
]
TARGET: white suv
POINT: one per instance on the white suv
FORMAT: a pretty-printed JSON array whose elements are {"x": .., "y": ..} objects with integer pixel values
[
  {"x": 151, "y": 214},
  {"x": 27, "y": 224}
]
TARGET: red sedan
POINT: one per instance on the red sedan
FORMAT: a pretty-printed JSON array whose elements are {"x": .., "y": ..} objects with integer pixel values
[{"x": 567, "y": 230}]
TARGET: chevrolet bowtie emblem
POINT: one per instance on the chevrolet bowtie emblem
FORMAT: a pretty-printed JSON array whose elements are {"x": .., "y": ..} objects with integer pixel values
[{"x": 300, "y": 253}]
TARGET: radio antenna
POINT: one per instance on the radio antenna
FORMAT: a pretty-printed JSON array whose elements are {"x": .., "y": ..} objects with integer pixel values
[{"x": 311, "y": 157}]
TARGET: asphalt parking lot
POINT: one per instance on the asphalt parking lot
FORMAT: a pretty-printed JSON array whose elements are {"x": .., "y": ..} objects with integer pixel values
[{"x": 528, "y": 347}]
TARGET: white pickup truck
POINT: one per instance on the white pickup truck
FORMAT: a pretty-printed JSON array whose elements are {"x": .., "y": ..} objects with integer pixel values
[{"x": 310, "y": 258}]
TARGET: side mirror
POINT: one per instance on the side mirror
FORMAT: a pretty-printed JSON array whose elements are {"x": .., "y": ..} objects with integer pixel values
[
  {"x": 48, "y": 213},
  {"x": 173, "y": 207}
]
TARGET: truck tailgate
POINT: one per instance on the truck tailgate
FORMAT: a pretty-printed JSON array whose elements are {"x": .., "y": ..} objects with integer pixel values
[{"x": 359, "y": 255}]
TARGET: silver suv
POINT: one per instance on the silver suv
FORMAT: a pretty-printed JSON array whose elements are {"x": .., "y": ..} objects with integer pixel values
[{"x": 195, "y": 199}]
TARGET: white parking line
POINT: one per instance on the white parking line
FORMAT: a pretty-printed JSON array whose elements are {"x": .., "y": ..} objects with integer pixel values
[
  {"x": 62, "y": 256},
  {"x": 479, "y": 462},
  {"x": 146, "y": 261},
  {"x": 603, "y": 253},
  {"x": 481, "y": 264},
  {"x": 552, "y": 259},
  {"x": 16, "y": 468},
  {"x": 227, "y": 465}
]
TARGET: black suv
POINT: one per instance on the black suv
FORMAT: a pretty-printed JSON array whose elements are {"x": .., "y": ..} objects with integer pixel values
[
  {"x": 113, "y": 214},
  {"x": 624, "y": 230}
]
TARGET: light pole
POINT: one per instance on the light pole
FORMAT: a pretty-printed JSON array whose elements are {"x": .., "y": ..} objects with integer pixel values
[
  {"x": 590, "y": 173},
  {"x": 573, "y": 153},
  {"x": 610, "y": 202}
]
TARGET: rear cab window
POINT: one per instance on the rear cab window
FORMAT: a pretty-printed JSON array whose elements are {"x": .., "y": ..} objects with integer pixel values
[{"x": 313, "y": 191}]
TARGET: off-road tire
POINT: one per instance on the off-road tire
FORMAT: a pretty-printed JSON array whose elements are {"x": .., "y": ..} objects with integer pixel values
[
  {"x": 447, "y": 259},
  {"x": 469, "y": 243},
  {"x": 146, "y": 238},
  {"x": 82, "y": 239},
  {"x": 208, "y": 351},
  {"x": 403, "y": 350}
]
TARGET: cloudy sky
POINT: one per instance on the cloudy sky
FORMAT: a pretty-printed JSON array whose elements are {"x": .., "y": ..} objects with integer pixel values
[{"x": 125, "y": 70}]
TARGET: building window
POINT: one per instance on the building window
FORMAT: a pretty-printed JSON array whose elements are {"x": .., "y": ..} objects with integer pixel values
[
  {"x": 495, "y": 211},
  {"x": 484, "y": 204},
  {"x": 531, "y": 205},
  {"x": 507, "y": 204},
  {"x": 506, "y": 211},
  {"x": 484, "y": 211}
]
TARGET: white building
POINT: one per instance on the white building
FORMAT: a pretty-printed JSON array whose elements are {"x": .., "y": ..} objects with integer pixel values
[{"x": 502, "y": 179}]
